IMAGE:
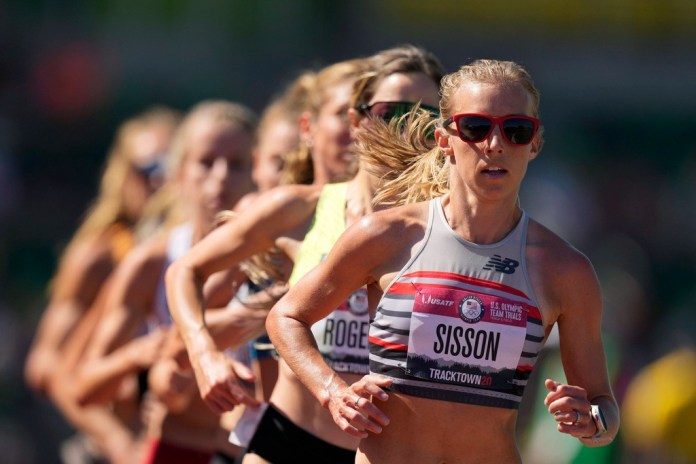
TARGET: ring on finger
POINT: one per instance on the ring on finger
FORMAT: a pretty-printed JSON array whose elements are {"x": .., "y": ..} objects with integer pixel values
[
  {"x": 357, "y": 402},
  {"x": 577, "y": 417}
]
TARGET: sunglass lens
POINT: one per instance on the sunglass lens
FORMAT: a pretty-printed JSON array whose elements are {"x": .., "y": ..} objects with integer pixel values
[
  {"x": 389, "y": 110},
  {"x": 473, "y": 128},
  {"x": 518, "y": 131}
]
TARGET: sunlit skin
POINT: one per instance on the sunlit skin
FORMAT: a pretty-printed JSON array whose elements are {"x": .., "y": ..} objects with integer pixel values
[
  {"x": 255, "y": 232},
  {"x": 214, "y": 174},
  {"x": 218, "y": 171},
  {"x": 328, "y": 134},
  {"x": 79, "y": 287},
  {"x": 490, "y": 171},
  {"x": 85, "y": 267},
  {"x": 276, "y": 140},
  {"x": 277, "y": 137},
  {"x": 290, "y": 396},
  {"x": 274, "y": 143},
  {"x": 481, "y": 207},
  {"x": 147, "y": 148},
  {"x": 276, "y": 218}
]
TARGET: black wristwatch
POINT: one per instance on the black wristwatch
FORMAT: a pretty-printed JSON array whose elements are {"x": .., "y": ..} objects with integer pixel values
[{"x": 600, "y": 422}]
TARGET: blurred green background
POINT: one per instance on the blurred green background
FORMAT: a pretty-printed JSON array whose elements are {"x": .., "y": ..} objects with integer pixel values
[{"x": 615, "y": 178}]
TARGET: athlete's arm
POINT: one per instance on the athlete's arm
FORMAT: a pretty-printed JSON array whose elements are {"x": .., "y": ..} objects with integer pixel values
[
  {"x": 252, "y": 231},
  {"x": 109, "y": 356},
  {"x": 81, "y": 273},
  {"x": 97, "y": 421},
  {"x": 355, "y": 260},
  {"x": 576, "y": 291}
]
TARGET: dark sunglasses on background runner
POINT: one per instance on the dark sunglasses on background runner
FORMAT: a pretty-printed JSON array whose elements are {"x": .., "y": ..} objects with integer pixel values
[
  {"x": 149, "y": 170},
  {"x": 152, "y": 173},
  {"x": 474, "y": 127},
  {"x": 389, "y": 110}
]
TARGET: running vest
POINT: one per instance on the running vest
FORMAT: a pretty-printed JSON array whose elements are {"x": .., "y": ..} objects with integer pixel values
[
  {"x": 342, "y": 335},
  {"x": 460, "y": 322},
  {"x": 121, "y": 241},
  {"x": 179, "y": 242}
]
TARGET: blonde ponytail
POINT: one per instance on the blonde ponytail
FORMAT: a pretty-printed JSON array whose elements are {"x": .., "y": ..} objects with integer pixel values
[{"x": 403, "y": 155}]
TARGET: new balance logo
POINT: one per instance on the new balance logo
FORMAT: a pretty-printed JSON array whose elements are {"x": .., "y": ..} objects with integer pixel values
[{"x": 504, "y": 265}]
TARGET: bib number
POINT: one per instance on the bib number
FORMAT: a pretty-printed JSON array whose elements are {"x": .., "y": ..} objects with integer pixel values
[{"x": 465, "y": 338}]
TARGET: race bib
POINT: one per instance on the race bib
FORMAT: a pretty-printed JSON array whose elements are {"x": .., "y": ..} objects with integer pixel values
[
  {"x": 342, "y": 336},
  {"x": 465, "y": 338}
]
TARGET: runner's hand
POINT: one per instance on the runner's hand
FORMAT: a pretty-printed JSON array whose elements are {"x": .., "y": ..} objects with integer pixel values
[
  {"x": 172, "y": 385},
  {"x": 353, "y": 410},
  {"x": 571, "y": 409},
  {"x": 216, "y": 375}
]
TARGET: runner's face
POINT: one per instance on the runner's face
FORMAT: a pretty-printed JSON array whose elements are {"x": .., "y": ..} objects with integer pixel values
[
  {"x": 404, "y": 87},
  {"x": 279, "y": 138},
  {"x": 217, "y": 168},
  {"x": 407, "y": 87},
  {"x": 330, "y": 133},
  {"x": 146, "y": 149},
  {"x": 491, "y": 169}
]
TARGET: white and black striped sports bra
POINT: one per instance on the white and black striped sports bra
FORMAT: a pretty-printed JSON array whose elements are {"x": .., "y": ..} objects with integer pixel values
[{"x": 460, "y": 322}]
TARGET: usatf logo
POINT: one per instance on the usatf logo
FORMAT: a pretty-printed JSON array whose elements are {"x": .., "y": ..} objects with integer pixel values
[
  {"x": 357, "y": 302},
  {"x": 471, "y": 309},
  {"x": 504, "y": 265}
]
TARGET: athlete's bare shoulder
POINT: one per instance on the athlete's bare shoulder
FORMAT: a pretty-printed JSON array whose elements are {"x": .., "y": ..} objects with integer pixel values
[
  {"x": 90, "y": 255},
  {"x": 148, "y": 257},
  {"x": 286, "y": 202},
  {"x": 552, "y": 251},
  {"x": 383, "y": 240},
  {"x": 245, "y": 201},
  {"x": 557, "y": 269},
  {"x": 84, "y": 267},
  {"x": 289, "y": 195},
  {"x": 398, "y": 221}
]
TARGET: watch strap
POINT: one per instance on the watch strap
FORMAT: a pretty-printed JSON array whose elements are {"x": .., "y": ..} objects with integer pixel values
[{"x": 600, "y": 422}]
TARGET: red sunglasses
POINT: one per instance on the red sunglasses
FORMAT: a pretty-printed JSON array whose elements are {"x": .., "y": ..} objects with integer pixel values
[{"x": 475, "y": 127}]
